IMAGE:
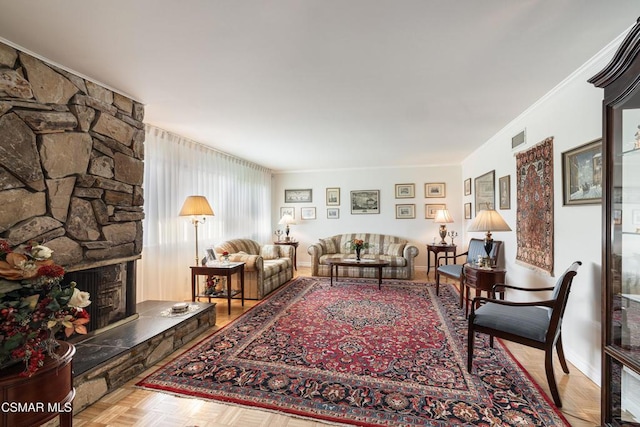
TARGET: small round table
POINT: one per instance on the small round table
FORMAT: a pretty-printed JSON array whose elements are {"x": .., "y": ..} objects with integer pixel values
[{"x": 480, "y": 279}]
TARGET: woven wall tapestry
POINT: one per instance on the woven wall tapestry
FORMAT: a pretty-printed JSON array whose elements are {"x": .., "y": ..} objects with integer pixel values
[{"x": 534, "y": 228}]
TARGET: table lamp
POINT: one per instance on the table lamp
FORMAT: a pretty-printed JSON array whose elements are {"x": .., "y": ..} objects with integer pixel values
[
  {"x": 287, "y": 220},
  {"x": 443, "y": 217},
  {"x": 195, "y": 207},
  {"x": 488, "y": 220}
]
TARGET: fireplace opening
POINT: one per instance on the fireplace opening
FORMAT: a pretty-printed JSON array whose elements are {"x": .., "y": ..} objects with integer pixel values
[{"x": 112, "y": 289}]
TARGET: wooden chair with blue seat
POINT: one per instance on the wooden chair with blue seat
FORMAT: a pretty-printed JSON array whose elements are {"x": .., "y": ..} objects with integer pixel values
[
  {"x": 456, "y": 271},
  {"x": 536, "y": 324}
]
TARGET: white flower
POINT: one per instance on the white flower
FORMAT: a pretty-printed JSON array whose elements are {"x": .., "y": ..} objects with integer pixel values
[
  {"x": 79, "y": 298},
  {"x": 40, "y": 252}
]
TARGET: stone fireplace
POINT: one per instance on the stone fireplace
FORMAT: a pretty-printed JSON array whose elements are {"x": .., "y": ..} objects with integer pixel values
[{"x": 71, "y": 172}]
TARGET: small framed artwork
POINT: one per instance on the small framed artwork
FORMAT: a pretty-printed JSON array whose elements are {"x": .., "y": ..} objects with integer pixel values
[
  {"x": 582, "y": 174},
  {"x": 430, "y": 210},
  {"x": 333, "y": 213},
  {"x": 405, "y": 191},
  {"x": 365, "y": 202},
  {"x": 467, "y": 211},
  {"x": 405, "y": 211},
  {"x": 434, "y": 189},
  {"x": 333, "y": 196},
  {"x": 308, "y": 213},
  {"x": 298, "y": 196},
  {"x": 617, "y": 217},
  {"x": 467, "y": 187},
  {"x": 485, "y": 189},
  {"x": 288, "y": 211},
  {"x": 504, "y": 187}
]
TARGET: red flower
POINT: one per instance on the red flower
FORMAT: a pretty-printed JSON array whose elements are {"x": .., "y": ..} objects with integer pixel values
[
  {"x": 51, "y": 271},
  {"x": 225, "y": 253}
]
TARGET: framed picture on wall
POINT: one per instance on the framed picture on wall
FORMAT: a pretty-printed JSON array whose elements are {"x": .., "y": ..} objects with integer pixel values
[
  {"x": 405, "y": 211},
  {"x": 308, "y": 213},
  {"x": 504, "y": 191},
  {"x": 434, "y": 189},
  {"x": 582, "y": 174},
  {"x": 430, "y": 210},
  {"x": 405, "y": 191},
  {"x": 485, "y": 188},
  {"x": 333, "y": 196},
  {"x": 333, "y": 213},
  {"x": 365, "y": 202},
  {"x": 298, "y": 196},
  {"x": 288, "y": 211},
  {"x": 467, "y": 211},
  {"x": 467, "y": 187}
]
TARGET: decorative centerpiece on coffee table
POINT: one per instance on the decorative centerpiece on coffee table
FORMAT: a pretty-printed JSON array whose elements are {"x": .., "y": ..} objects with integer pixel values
[{"x": 358, "y": 245}]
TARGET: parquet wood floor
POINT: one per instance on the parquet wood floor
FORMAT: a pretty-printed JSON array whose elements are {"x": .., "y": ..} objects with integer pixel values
[{"x": 131, "y": 406}]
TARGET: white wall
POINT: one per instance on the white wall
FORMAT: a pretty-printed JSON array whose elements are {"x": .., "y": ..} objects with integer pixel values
[
  {"x": 418, "y": 231},
  {"x": 572, "y": 114}
]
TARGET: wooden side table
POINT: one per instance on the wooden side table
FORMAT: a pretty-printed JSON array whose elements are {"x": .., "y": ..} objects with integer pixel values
[
  {"x": 46, "y": 394},
  {"x": 436, "y": 249},
  {"x": 226, "y": 270},
  {"x": 481, "y": 279},
  {"x": 295, "y": 250}
]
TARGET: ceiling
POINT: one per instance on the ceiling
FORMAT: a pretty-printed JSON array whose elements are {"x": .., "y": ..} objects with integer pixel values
[{"x": 324, "y": 84}]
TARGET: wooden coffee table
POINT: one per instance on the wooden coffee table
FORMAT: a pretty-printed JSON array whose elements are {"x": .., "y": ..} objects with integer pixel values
[{"x": 365, "y": 263}]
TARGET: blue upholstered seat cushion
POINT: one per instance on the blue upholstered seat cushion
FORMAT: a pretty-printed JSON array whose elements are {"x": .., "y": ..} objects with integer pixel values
[
  {"x": 453, "y": 270},
  {"x": 527, "y": 321}
]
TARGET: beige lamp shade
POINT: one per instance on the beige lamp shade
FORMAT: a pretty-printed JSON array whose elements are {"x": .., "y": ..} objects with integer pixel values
[
  {"x": 286, "y": 220},
  {"x": 443, "y": 217},
  {"x": 488, "y": 220},
  {"x": 196, "y": 205}
]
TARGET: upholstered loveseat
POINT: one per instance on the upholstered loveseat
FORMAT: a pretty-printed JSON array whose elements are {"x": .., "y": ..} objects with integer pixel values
[
  {"x": 266, "y": 267},
  {"x": 398, "y": 252}
]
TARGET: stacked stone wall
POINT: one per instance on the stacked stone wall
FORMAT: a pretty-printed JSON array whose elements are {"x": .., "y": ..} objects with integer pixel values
[{"x": 71, "y": 163}]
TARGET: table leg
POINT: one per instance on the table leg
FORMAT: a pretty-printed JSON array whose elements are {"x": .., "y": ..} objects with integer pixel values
[
  {"x": 228, "y": 293},
  {"x": 242, "y": 285},
  {"x": 429, "y": 260},
  {"x": 193, "y": 286},
  {"x": 379, "y": 277},
  {"x": 331, "y": 273}
]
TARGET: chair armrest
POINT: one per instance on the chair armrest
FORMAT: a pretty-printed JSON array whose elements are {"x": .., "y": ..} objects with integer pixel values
[
  {"x": 483, "y": 300},
  {"x": 316, "y": 250},
  {"x": 504, "y": 286},
  {"x": 441, "y": 257}
]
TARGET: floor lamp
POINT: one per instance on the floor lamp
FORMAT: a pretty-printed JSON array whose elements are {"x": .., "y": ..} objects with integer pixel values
[{"x": 196, "y": 207}]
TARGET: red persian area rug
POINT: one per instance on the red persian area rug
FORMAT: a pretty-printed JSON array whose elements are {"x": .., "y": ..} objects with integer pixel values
[
  {"x": 534, "y": 228},
  {"x": 353, "y": 354}
]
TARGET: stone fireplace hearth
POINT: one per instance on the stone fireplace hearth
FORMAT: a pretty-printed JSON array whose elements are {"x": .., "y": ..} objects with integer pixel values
[{"x": 71, "y": 174}]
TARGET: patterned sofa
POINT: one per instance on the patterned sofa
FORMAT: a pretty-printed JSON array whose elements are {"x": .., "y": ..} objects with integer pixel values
[
  {"x": 267, "y": 267},
  {"x": 388, "y": 248}
]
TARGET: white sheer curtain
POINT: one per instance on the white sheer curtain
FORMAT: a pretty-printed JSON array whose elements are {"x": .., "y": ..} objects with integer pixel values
[{"x": 175, "y": 167}]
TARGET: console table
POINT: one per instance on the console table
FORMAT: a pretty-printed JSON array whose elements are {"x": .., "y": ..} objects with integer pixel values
[
  {"x": 481, "y": 279},
  {"x": 46, "y": 394},
  {"x": 226, "y": 270},
  {"x": 436, "y": 249}
]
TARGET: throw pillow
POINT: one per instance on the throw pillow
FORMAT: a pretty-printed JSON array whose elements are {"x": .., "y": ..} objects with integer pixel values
[
  {"x": 329, "y": 246},
  {"x": 396, "y": 249},
  {"x": 270, "y": 252}
]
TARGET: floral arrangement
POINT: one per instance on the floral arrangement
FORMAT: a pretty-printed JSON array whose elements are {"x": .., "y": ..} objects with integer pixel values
[
  {"x": 211, "y": 285},
  {"x": 357, "y": 244},
  {"x": 35, "y": 307}
]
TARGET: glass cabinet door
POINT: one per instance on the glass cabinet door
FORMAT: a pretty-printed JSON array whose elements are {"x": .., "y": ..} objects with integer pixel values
[{"x": 622, "y": 347}]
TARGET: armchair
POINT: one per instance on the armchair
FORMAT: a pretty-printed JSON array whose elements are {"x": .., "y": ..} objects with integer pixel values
[
  {"x": 456, "y": 271},
  {"x": 534, "y": 324}
]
